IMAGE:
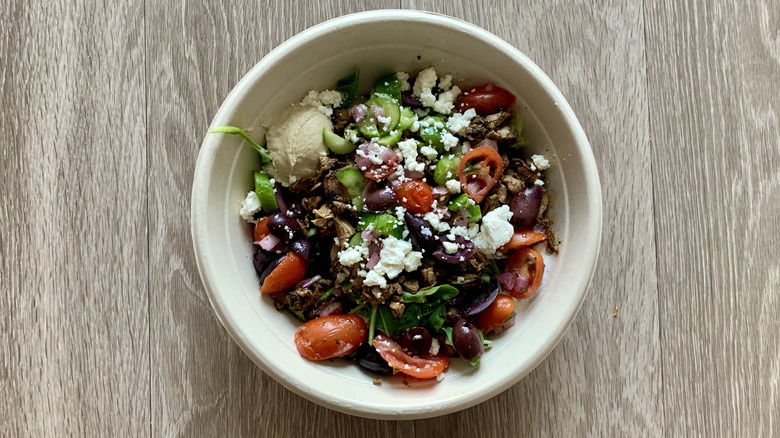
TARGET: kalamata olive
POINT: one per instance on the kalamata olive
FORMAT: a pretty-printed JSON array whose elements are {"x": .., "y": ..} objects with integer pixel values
[
  {"x": 421, "y": 232},
  {"x": 460, "y": 255},
  {"x": 368, "y": 358},
  {"x": 270, "y": 267},
  {"x": 482, "y": 300},
  {"x": 466, "y": 339},
  {"x": 284, "y": 227},
  {"x": 260, "y": 259},
  {"x": 410, "y": 99},
  {"x": 302, "y": 248},
  {"x": 416, "y": 341},
  {"x": 378, "y": 197},
  {"x": 525, "y": 206}
]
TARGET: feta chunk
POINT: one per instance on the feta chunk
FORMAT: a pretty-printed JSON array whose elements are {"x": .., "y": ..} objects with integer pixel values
[
  {"x": 495, "y": 232},
  {"x": 445, "y": 82},
  {"x": 449, "y": 141},
  {"x": 324, "y": 101},
  {"x": 540, "y": 162},
  {"x": 429, "y": 152},
  {"x": 457, "y": 123},
  {"x": 425, "y": 81},
  {"x": 373, "y": 278},
  {"x": 250, "y": 206},
  {"x": 350, "y": 256},
  {"x": 539, "y": 183},
  {"x": 450, "y": 248},
  {"x": 446, "y": 101},
  {"x": 403, "y": 80},
  {"x": 395, "y": 257},
  {"x": 408, "y": 150},
  {"x": 453, "y": 186},
  {"x": 436, "y": 222}
]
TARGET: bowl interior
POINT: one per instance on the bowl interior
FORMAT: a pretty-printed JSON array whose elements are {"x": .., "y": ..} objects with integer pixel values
[{"x": 381, "y": 43}]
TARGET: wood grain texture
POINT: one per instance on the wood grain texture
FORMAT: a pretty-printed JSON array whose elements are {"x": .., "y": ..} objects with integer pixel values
[
  {"x": 604, "y": 378},
  {"x": 74, "y": 357},
  {"x": 202, "y": 383},
  {"x": 714, "y": 70}
]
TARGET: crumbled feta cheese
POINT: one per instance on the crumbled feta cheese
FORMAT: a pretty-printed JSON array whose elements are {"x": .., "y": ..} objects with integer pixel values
[
  {"x": 446, "y": 101},
  {"x": 448, "y": 140},
  {"x": 457, "y": 123},
  {"x": 350, "y": 256},
  {"x": 373, "y": 278},
  {"x": 415, "y": 125},
  {"x": 428, "y": 99},
  {"x": 436, "y": 222},
  {"x": 540, "y": 162},
  {"x": 440, "y": 377},
  {"x": 445, "y": 82},
  {"x": 539, "y": 183},
  {"x": 429, "y": 152},
  {"x": 403, "y": 80},
  {"x": 250, "y": 206},
  {"x": 460, "y": 231},
  {"x": 399, "y": 212},
  {"x": 425, "y": 81},
  {"x": 453, "y": 186},
  {"x": 496, "y": 230},
  {"x": 324, "y": 101},
  {"x": 395, "y": 257},
  {"x": 384, "y": 120},
  {"x": 421, "y": 112},
  {"x": 435, "y": 346},
  {"x": 473, "y": 230},
  {"x": 408, "y": 150},
  {"x": 449, "y": 247}
]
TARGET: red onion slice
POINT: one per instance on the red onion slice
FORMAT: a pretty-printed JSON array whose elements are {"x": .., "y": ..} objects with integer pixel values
[{"x": 270, "y": 242}]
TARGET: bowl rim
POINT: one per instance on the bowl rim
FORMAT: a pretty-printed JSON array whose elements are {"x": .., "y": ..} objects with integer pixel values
[{"x": 200, "y": 194}]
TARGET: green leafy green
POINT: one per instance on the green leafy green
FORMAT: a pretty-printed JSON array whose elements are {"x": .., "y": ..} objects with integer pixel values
[
  {"x": 517, "y": 124},
  {"x": 389, "y": 85},
  {"x": 448, "y": 331},
  {"x": 410, "y": 318},
  {"x": 349, "y": 85},
  {"x": 372, "y": 324},
  {"x": 265, "y": 157},
  {"x": 432, "y": 294},
  {"x": 436, "y": 318},
  {"x": 386, "y": 322}
]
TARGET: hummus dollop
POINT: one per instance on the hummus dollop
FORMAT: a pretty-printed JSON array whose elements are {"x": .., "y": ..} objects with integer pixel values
[{"x": 295, "y": 143}]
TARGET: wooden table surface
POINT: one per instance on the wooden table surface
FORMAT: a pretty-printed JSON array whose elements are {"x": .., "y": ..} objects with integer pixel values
[{"x": 106, "y": 329}]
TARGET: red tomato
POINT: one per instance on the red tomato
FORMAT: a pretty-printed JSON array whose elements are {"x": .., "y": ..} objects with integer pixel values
[
  {"x": 486, "y": 99},
  {"x": 496, "y": 314},
  {"x": 416, "y": 196},
  {"x": 422, "y": 368},
  {"x": 261, "y": 229},
  {"x": 524, "y": 272},
  {"x": 523, "y": 238},
  {"x": 290, "y": 271},
  {"x": 330, "y": 336},
  {"x": 479, "y": 170}
]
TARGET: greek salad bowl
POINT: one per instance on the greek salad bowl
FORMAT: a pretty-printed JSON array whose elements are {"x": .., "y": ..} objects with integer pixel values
[{"x": 425, "y": 120}]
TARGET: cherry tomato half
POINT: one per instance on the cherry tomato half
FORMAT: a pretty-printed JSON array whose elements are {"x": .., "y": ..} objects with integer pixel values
[
  {"x": 285, "y": 275},
  {"x": 523, "y": 274},
  {"x": 523, "y": 238},
  {"x": 422, "y": 368},
  {"x": 416, "y": 196},
  {"x": 330, "y": 336},
  {"x": 479, "y": 170},
  {"x": 261, "y": 229},
  {"x": 486, "y": 99},
  {"x": 496, "y": 314}
]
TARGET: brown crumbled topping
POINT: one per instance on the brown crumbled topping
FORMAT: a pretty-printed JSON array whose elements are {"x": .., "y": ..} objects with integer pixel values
[{"x": 397, "y": 309}]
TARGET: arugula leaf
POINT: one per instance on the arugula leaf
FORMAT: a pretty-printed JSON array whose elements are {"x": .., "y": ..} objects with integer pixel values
[
  {"x": 349, "y": 85},
  {"x": 410, "y": 318},
  {"x": 372, "y": 324},
  {"x": 436, "y": 293},
  {"x": 436, "y": 318},
  {"x": 389, "y": 85},
  {"x": 474, "y": 362},
  {"x": 448, "y": 331},
  {"x": 386, "y": 322},
  {"x": 265, "y": 157}
]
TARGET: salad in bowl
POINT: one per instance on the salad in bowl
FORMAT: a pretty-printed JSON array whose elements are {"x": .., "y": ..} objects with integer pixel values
[{"x": 401, "y": 226}]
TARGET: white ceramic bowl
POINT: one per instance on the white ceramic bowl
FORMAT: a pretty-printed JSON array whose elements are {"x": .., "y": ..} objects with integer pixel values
[{"x": 381, "y": 42}]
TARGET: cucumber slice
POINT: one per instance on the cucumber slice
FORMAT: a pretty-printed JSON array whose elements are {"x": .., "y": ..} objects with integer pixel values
[
  {"x": 446, "y": 169},
  {"x": 391, "y": 139},
  {"x": 368, "y": 128},
  {"x": 355, "y": 182},
  {"x": 351, "y": 132},
  {"x": 336, "y": 143},
  {"x": 265, "y": 192},
  {"x": 355, "y": 240},
  {"x": 407, "y": 119},
  {"x": 475, "y": 213},
  {"x": 461, "y": 201},
  {"x": 387, "y": 224},
  {"x": 431, "y": 133},
  {"x": 391, "y": 109}
]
